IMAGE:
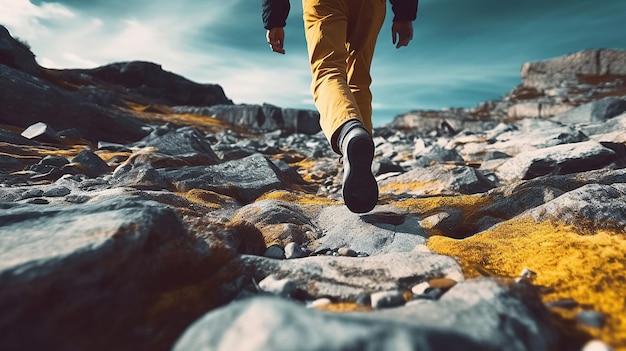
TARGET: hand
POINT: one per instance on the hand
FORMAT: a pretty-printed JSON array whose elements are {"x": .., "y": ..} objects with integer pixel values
[
  {"x": 276, "y": 39},
  {"x": 402, "y": 33}
]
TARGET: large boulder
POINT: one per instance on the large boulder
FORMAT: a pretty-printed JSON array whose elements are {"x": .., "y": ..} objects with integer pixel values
[
  {"x": 120, "y": 273},
  {"x": 477, "y": 315}
]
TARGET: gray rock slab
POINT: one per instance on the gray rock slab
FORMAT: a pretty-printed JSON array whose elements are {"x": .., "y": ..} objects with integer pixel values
[
  {"x": 439, "y": 179},
  {"x": 267, "y": 215},
  {"x": 347, "y": 277},
  {"x": 479, "y": 315},
  {"x": 244, "y": 179},
  {"x": 597, "y": 206},
  {"x": 81, "y": 275},
  {"x": 187, "y": 144},
  {"x": 595, "y": 111},
  {"x": 91, "y": 164},
  {"x": 12, "y": 138},
  {"x": 560, "y": 159},
  {"x": 386, "y": 229}
]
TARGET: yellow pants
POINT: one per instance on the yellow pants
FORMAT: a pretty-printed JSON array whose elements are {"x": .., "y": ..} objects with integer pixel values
[{"x": 341, "y": 37}]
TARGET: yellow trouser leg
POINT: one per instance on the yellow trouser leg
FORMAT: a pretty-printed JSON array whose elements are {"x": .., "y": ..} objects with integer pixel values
[{"x": 341, "y": 37}]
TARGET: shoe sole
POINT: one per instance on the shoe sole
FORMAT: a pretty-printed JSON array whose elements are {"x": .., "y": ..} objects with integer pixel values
[{"x": 360, "y": 190}]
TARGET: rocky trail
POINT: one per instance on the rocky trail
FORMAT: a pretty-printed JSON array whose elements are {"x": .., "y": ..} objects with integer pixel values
[{"x": 142, "y": 211}]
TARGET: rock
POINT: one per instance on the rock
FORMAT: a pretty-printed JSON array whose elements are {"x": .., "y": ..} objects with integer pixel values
[
  {"x": 561, "y": 159},
  {"x": 275, "y": 251},
  {"x": 596, "y": 345},
  {"x": 12, "y": 138},
  {"x": 344, "y": 278},
  {"x": 91, "y": 164},
  {"x": 41, "y": 132},
  {"x": 439, "y": 179},
  {"x": 142, "y": 178},
  {"x": 591, "y": 319},
  {"x": 597, "y": 206},
  {"x": 185, "y": 144},
  {"x": 283, "y": 287},
  {"x": 384, "y": 230},
  {"x": 595, "y": 111},
  {"x": 58, "y": 191},
  {"x": 279, "y": 221},
  {"x": 108, "y": 273},
  {"x": 244, "y": 179},
  {"x": 497, "y": 320},
  {"x": 293, "y": 250},
  {"x": 386, "y": 299},
  {"x": 265, "y": 118},
  {"x": 33, "y": 100}
]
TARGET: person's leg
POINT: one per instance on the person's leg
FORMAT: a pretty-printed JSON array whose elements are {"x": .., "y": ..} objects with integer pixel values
[
  {"x": 326, "y": 29},
  {"x": 365, "y": 21}
]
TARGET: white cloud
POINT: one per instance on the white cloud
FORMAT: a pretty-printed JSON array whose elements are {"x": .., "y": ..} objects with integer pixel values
[{"x": 25, "y": 18}]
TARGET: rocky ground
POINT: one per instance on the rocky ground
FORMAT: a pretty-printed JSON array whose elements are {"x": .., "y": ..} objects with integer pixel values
[{"x": 143, "y": 211}]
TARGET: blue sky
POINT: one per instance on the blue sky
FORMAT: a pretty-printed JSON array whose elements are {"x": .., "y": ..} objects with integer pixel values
[{"x": 464, "y": 52}]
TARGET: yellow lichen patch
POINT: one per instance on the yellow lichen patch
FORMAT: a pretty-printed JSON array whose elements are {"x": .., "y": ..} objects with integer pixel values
[
  {"x": 299, "y": 198},
  {"x": 469, "y": 205},
  {"x": 345, "y": 307},
  {"x": 407, "y": 187},
  {"x": 588, "y": 268},
  {"x": 305, "y": 169},
  {"x": 41, "y": 151},
  {"x": 106, "y": 156},
  {"x": 206, "y": 198}
]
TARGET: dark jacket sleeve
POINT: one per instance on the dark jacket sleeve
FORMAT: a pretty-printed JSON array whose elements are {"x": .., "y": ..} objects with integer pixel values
[
  {"x": 404, "y": 10},
  {"x": 275, "y": 13}
]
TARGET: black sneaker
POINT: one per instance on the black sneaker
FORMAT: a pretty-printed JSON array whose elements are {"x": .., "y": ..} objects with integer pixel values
[{"x": 360, "y": 191}]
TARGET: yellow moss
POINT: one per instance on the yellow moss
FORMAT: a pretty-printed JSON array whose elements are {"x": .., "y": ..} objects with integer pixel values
[
  {"x": 587, "y": 268},
  {"x": 340, "y": 307},
  {"x": 106, "y": 156},
  {"x": 407, "y": 187},
  {"x": 205, "y": 198},
  {"x": 299, "y": 198}
]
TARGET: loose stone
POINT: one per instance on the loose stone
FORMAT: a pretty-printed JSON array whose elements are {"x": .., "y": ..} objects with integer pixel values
[
  {"x": 420, "y": 288},
  {"x": 591, "y": 319},
  {"x": 319, "y": 303},
  {"x": 385, "y": 299},
  {"x": 293, "y": 250},
  {"x": 344, "y": 251},
  {"x": 283, "y": 287},
  {"x": 275, "y": 251}
]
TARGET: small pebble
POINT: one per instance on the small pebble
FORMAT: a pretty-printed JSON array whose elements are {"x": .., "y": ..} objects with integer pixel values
[
  {"x": 429, "y": 294},
  {"x": 344, "y": 251},
  {"x": 442, "y": 283},
  {"x": 528, "y": 274},
  {"x": 385, "y": 299},
  {"x": 293, "y": 250},
  {"x": 283, "y": 287},
  {"x": 596, "y": 345},
  {"x": 591, "y": 319},
  {"x": 420, "y": 288},
  {"x": 275, "y": 251},
  {"x": 319, "y": 303}
]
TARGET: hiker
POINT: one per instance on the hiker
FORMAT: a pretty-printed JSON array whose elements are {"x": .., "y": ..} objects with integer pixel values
[{"x": 341, "y": 36}]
